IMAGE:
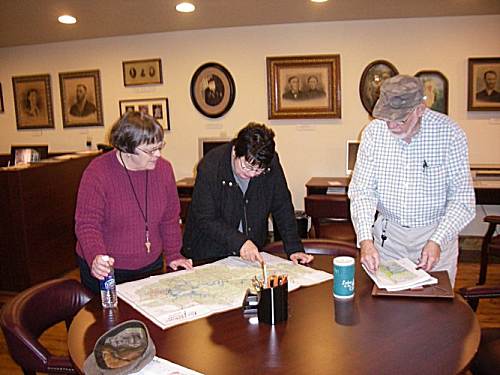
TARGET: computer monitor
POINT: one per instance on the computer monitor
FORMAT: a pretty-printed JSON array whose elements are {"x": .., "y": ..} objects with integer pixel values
[
  {"x": 205, "y": 145},
  {"x": 351, "y": 154},
  {"x": 28, "y": 153}
]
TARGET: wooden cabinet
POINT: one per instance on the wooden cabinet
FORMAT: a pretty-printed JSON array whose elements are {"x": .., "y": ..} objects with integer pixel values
[{"x": 37, "y": 240}]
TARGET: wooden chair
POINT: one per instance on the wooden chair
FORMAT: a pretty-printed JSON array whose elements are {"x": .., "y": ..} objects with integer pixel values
[
  {"x": 491, "y": 245},
  {"x": 30, "y": 313},
  {"x": 487, "y": 359},
  {"x": 318, "y": 247},
  {"x": 330, "y": 217}
]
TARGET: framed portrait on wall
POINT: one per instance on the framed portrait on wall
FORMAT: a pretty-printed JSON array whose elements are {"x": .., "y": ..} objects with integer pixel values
[
  {"x": 81, "y": 98},
  {"x": 33, "y": 102},
  {"x": 369, "y": 85},
  {"x": 156, "y": 107},
  {"x": 303, "y": 86},
  {"x": 142, "y": 72},
  {"x": 483, "y": 92},
  {"x": 435, "y": 90},
  {"x": 212, "y": 90}
]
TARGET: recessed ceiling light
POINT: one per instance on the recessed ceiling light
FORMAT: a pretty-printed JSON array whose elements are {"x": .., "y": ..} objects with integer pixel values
[
  {"x": 67, "y": 19},
  {"x": 185, "y": 7},
  {"x": 319, "y": 1}
]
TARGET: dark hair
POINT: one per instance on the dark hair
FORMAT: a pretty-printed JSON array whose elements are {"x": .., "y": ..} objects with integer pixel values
[
  {"x": 134, "y": 129},
  {"x": 256, "y": 143},
  {"x": 490, "y": 72}
]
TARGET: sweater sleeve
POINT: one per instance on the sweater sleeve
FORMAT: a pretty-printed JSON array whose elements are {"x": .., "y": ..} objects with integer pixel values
[
  {"x": 170, "y": 229},
  {"x": 89, "y": 214}
]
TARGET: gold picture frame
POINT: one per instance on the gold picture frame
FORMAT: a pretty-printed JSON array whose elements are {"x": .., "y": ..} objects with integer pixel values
[
  {"x": 483, "y": 92},
  {"x": 303, "y": 86},
  {"x": 81, "y": 98},
  {"x": 142, "y": 72},
  {"x": 33, "y": 102}
]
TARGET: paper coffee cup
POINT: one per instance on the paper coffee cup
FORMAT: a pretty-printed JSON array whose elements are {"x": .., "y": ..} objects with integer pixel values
[{"x": 343, "y": 277}]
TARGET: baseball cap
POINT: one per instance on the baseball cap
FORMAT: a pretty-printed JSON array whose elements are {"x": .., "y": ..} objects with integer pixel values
[
  {"x": 123, "y": 349},
  {"x": 399, "y": 95}
]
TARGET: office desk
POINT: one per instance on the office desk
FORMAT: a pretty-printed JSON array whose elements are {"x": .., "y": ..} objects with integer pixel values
[
  {"x": 487, "y": 190},
  {"x": 370, "y": 335}
]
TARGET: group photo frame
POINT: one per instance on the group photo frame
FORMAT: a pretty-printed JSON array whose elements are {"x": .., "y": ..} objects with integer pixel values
[
  {"x": 435, "y": 90},
  {"x": 212, "y": 90},
  {"x": 483, "y": 92},
  {"x": 81, "y": 98},
  {"x": 142, "y": 72},
  {"x": 33, "y": 102},
  {"x": 303, "y": 86},
  {"x": 155, "y": 107},
  {"x": 372, "y": 78}
]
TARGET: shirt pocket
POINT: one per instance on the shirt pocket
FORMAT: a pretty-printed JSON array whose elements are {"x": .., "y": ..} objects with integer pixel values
[{"x": 434, "y": 180}]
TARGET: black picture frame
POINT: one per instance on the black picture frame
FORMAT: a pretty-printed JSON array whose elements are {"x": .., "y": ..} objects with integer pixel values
[
  {"x": 156, "y": 107},
  {"x": 33, "y": 102},
  {"x": 73, "y": 85},
  {"x": 371, "y": 79},
  {"x": 303, "y": 87},
  {"x": 435, "y": 89},
  {"x": 483, "y": 71},
  {"x": 2, "y": 108},
  {"x": 142, "y": 72},
  {"x": 212, "y": 90}
]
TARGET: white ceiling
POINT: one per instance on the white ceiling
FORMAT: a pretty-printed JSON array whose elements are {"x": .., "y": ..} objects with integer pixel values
[{"x": 35, "y": 21}]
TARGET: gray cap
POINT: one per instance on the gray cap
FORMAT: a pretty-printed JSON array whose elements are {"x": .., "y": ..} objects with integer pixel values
[
  {"x": 399, "y": 95},
  {"x": 124, "y": 349}
]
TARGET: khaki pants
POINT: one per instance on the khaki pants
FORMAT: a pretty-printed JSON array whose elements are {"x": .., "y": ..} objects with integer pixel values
[{"x": 409, "y": 242}]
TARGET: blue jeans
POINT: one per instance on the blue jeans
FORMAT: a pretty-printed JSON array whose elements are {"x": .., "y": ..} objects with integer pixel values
[{"x": 121, "y": 276}]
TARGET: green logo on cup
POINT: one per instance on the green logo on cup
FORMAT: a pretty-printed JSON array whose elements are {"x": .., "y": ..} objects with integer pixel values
[{"x": 343, "y": 277}]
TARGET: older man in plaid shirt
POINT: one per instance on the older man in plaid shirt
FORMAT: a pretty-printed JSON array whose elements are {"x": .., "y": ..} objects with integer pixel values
[{"x": 413, "y": 168}]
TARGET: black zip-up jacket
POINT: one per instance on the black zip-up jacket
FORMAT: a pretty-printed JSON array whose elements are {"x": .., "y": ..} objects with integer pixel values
[{"x": 219, "y": 205}]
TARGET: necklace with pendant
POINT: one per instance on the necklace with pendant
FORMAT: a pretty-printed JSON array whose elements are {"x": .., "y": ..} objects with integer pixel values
[{"x": 144, "y": 213}]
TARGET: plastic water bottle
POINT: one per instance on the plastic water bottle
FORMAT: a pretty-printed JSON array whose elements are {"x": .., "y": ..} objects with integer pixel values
[{"x": 108, "y": 289}]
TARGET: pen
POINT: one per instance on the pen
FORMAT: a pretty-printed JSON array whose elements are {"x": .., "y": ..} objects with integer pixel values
[{"x": 264, "y": 272}]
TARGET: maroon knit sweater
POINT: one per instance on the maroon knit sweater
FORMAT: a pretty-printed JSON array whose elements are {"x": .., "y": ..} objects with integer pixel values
[{"x": 108, "y": 220}]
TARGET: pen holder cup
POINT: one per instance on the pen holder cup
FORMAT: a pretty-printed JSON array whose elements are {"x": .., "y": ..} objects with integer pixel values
[{"x": 273, "y": 304}]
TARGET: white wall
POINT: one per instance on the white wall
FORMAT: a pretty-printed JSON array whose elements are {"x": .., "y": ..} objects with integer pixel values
[{"x": 307, "y": 147}]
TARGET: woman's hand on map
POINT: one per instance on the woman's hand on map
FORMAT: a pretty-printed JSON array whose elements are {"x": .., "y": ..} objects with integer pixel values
[
  {"x": 250, "y": 252},
  {"x": 369, "y": 255},
  {"x": 181, "y": 262},
  {"x": 301, "y": 258}
]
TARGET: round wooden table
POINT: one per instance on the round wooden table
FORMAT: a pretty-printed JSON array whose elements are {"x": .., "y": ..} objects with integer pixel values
[{"x": 367, "y": 335}]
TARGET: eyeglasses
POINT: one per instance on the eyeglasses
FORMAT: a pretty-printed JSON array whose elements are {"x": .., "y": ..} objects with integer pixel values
[
  {"x": 152, "y": 151},
  {"x": 405, "y": 121},
  {"x": 250, "y": 168}
]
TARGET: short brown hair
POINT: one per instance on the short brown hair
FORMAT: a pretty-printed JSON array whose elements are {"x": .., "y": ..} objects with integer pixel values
[{"x": 134, "y": 129}]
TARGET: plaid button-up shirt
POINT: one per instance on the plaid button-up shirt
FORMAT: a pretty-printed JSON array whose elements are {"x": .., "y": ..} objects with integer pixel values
[{"x": 424, "y": 182}]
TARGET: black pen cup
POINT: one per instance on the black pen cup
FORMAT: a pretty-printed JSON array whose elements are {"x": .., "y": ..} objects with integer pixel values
[{"x": 273, "y": 304}]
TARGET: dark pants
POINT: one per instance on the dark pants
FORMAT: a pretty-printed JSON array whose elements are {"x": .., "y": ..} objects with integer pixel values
[{"x": 121, "y": 276}]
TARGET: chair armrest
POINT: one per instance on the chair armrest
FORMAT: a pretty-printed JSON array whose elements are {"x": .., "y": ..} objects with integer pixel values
[
  {"x": 481, "y": 291},
  {"x": 492, "y": 219}
]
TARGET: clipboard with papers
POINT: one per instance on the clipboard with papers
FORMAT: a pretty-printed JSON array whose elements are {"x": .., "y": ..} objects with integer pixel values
[{"x": 401, "y": 278}]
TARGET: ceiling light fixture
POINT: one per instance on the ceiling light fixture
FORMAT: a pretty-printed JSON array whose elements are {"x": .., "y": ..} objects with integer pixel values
[
  {"x": 185, "y": 7},
  {"x": 319, "y": 1},
  {"x": 67, "y": 19}
]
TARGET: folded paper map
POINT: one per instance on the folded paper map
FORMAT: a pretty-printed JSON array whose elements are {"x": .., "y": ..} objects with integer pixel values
[{"x": 400, "y": 274}]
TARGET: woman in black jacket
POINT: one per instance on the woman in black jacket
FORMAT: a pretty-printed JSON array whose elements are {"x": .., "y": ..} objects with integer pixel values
[{"x": 237, "y": 186}]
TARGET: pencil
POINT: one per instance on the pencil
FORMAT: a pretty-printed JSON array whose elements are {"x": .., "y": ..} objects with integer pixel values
[{"x": 264, "y": 272}]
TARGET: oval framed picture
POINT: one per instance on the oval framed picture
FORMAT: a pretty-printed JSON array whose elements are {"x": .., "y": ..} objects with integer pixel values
[
  {"x": 435, "y": 90},
  {"x": 369, "y": 86},
  {"x": 212, "y": 90}
]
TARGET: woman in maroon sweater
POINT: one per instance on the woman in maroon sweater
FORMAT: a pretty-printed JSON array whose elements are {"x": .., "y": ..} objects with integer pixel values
[{"x": 128, "y": 207}]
